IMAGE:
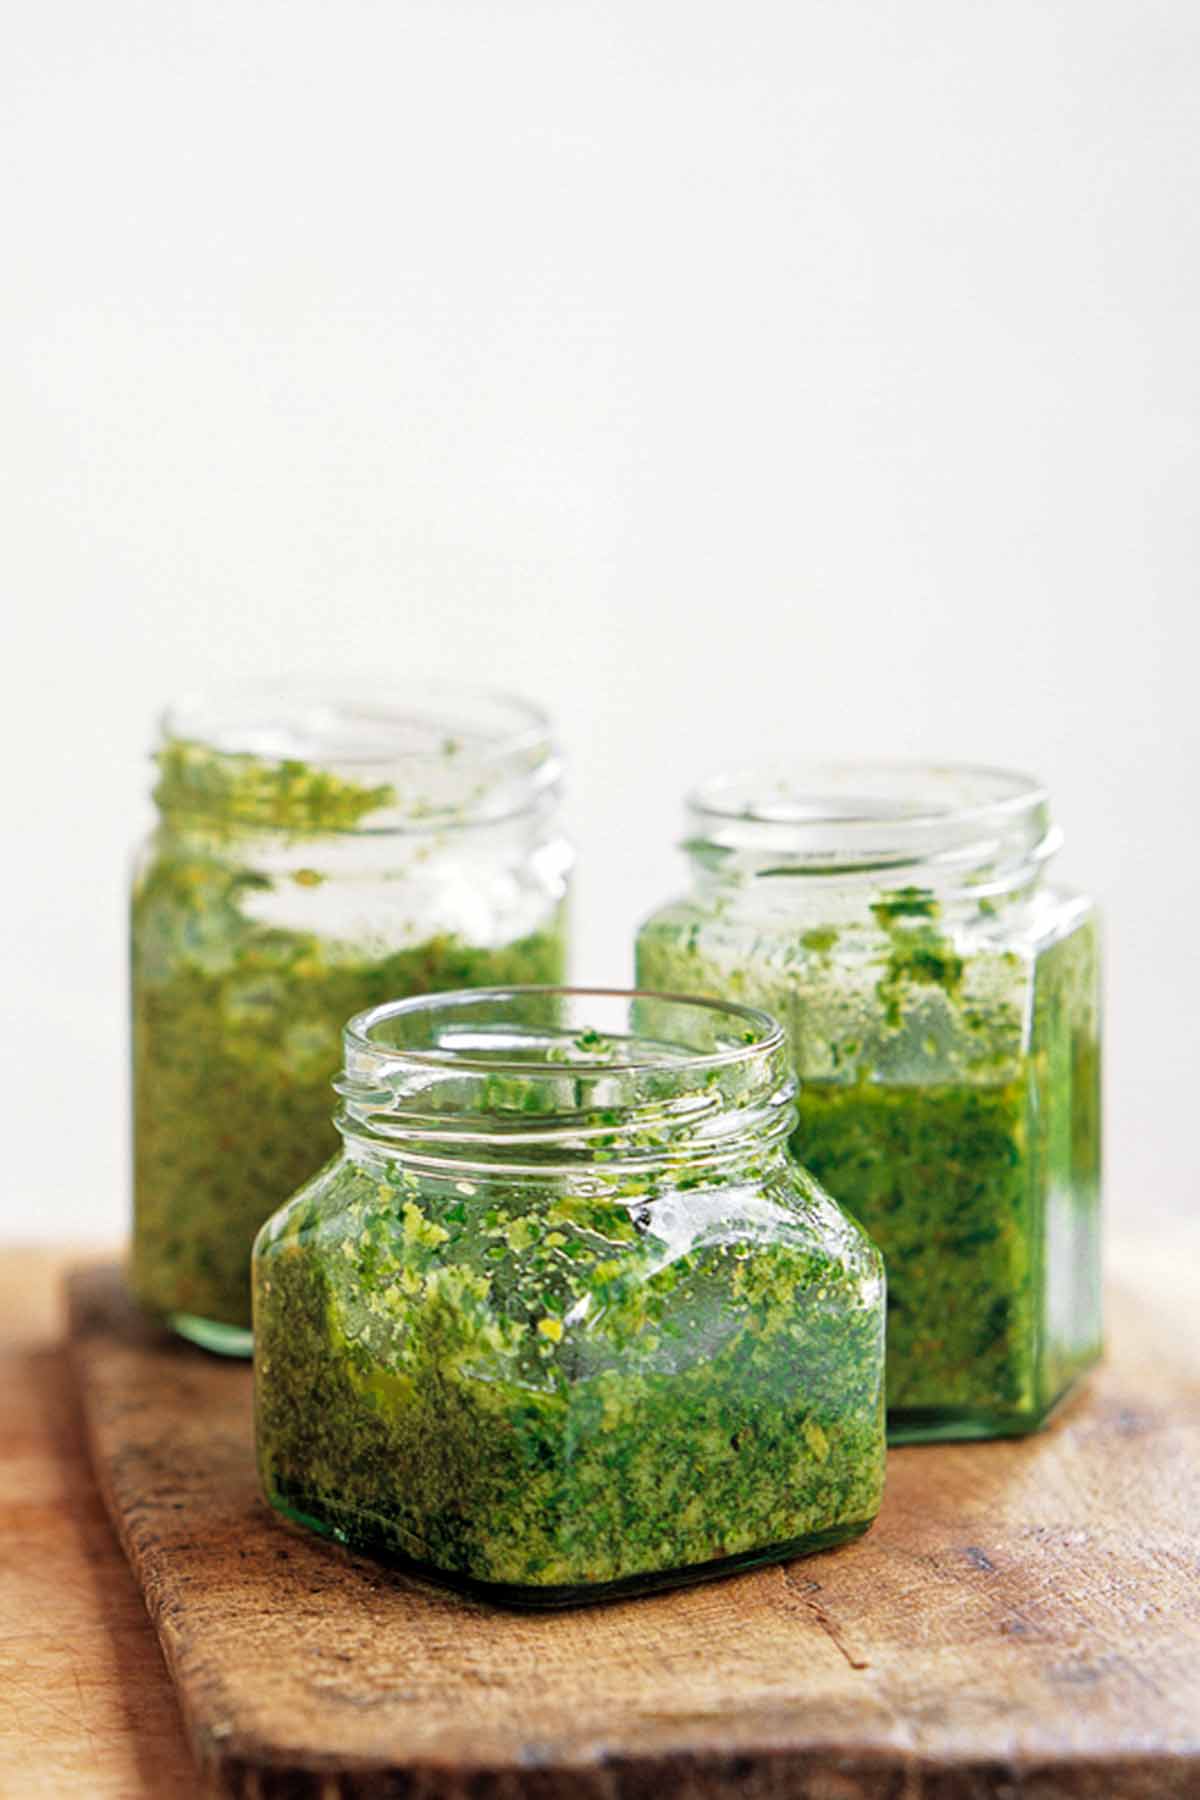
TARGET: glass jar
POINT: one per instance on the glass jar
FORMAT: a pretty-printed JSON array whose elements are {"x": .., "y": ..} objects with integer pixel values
[
  {"x": 942, "y": 1002},
  {"x": 565, "y": 1319},
  {"x": 316, "y": 851}
]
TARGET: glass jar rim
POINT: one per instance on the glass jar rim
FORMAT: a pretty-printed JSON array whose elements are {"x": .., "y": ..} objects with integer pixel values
[
  {"x": 423, "y": 755},
  {"x": 564, "y": 1077},
  {"x": 1011, "y": 791},
  {"x": 358, "y": 1031},
  {"x": 863, "y": 816}
]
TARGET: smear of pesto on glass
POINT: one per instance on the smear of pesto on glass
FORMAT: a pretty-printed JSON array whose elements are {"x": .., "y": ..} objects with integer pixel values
[
  {"x": 255, "y": 935},
  {"x": 542, "y": 1383}
]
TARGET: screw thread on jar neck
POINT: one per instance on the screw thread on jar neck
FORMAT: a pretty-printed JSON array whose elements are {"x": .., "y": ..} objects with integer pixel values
[
  {"x": 540, "y": 1081},
  {"x": 954, "y": 830}
]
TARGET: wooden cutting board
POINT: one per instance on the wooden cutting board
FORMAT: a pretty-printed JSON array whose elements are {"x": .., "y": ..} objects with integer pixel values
[
  {"x": 1024, "y": 1619},
  {"x": 86, "y": 1708}
]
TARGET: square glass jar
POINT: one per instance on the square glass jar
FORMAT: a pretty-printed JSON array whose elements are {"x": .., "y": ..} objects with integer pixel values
[
  {"x": 942, "y": 1003},
  {"x": 565, "y": 1320},
  {"x": 317, "y": 849}
]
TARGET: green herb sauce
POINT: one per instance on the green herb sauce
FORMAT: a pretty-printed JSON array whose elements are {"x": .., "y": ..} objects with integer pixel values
[
  {"x": 950, "y": 1100},
  {"x": 237, "y": 1024},
  {"x": 543, "y": 1394}
]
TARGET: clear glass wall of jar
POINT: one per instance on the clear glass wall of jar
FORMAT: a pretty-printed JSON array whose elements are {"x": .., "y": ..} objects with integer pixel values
[
  {"x": 566, "y": 1319},
  {"x": 316, "y": 852},
  {"x": 941, "y": 997}
]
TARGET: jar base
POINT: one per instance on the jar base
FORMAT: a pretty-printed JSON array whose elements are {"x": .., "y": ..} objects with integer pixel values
[
  {"x": 361, "y": 1539},
  {"x": 964, "y": 1424},
  {"x": 211, "y": 1334}
]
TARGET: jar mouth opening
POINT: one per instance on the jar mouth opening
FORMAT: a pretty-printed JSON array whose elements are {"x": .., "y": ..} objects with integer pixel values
[
  {"x": 599, "y": 1081},
  {"x": 481, "y": 1031},
  {"x": 861, "y": 816},
  {"x": 392, "y": 755}
]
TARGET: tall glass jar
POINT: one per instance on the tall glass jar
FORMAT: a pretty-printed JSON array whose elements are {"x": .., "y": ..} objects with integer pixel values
[
  {"x": 316, "y": 851},
  {"x": 565, "y": 1319},
  {"x": 941, "y": 997}
]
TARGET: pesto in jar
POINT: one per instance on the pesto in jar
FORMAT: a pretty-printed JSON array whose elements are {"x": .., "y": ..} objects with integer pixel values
[
  {"x": 949, "y": 1098},
  {"x": 264, "y": 913},
  {"x": 550, "y": 1384}
]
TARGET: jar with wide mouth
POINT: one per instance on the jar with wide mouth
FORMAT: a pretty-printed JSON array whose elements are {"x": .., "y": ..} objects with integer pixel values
[
  {"x": 317, "y": 850},
  {"x": 565, "y": 1319},
  {"x": 941, "y": 998}
]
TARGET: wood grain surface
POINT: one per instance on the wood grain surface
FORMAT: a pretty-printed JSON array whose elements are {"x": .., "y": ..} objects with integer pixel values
[
  {"x": 86, "y": 1706},
  {"x": 1024, "y": 1619}
]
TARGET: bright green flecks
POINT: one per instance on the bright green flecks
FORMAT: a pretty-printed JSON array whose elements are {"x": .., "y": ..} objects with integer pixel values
[
  {"x": 567, "y": 1391},
  {"x": 232, "y": 792}
]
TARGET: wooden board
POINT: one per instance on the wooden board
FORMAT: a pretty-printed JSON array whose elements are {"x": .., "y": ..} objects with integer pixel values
[
  {"x": 86, "y": 1706},
  {"x": 1023, "y": 1620}
]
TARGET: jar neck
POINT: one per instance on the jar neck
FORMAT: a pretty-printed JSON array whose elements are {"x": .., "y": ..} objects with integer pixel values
[
  {"x": 607, "y": 1087},
  {"x": 302, "y": 762},
  {"x": 531, "y": 842},
  {"x": 873, "y": 834}
]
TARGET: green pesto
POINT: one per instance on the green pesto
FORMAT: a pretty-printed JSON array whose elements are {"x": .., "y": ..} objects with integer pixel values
[
  {"x": 955, "y": 1113},
  {"x": 961, "y": 1324},
  {"x": 232, "y": 792},
  {"x": 548, "y": 1396},
  {"x": 918, "y": 955},
  {"x": 237, "y": 1025}
]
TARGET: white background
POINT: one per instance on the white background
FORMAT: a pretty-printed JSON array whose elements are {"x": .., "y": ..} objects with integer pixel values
[{"x": 732, "y": 378}]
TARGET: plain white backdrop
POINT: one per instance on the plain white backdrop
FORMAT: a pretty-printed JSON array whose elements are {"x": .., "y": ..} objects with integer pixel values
[{"x": 816, "y": 376}]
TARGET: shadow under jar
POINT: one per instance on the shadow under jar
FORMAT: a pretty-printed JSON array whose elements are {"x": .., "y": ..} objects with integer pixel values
[
  {"x": 315, "y": 852},
  {"x": 566, "y": 1320},
  {"x": 942, "y": 1003}
]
